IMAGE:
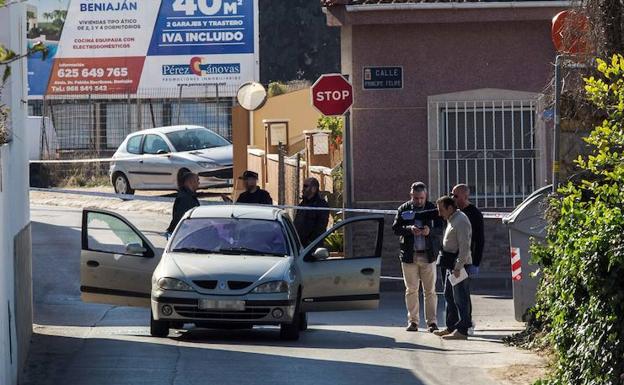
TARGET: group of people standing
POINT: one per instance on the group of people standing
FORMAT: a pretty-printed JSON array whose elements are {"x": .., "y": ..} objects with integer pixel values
[
  {"x": 448, "y": 235},
  {"x": 309, "y": 223}
]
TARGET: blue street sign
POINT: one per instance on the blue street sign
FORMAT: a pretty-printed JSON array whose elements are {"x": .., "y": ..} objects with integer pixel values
[{"x": 379, "y": 78}]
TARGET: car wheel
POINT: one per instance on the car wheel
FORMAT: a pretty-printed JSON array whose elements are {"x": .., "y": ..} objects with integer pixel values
[
  {"x": 158, "y": 328},
  {"x": 121, "y": 184},
  {"x": 303, "y": 325},
  {"x": 290, "y": 331},
  {"x": 177, "y": 325}
]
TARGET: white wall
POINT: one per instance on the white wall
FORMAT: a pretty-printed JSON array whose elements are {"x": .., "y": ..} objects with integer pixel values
[{"x": 14, "y": 205}]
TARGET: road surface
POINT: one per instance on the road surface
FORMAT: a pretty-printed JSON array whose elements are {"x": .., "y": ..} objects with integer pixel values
[{"x": 88, "y": 344}]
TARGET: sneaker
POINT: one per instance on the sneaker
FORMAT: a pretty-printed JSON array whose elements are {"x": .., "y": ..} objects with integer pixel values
[
  {"x": 442, "y": 333},
  {"x": 433, "y": 327},
  {"x": 471, "y": 329},
  {"x": 456, "y": 335},
  {"x": 412, "y": 327}
]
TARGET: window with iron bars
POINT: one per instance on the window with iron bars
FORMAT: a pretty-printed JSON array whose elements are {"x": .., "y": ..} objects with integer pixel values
[{"x": 488, "y": 145}]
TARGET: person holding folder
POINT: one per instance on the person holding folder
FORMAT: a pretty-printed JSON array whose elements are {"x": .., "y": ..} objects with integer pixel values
[{"x": 455, "y": 255}]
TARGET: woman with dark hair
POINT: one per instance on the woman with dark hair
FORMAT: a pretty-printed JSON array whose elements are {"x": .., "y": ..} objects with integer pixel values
[{"x": 186, "y": 199}]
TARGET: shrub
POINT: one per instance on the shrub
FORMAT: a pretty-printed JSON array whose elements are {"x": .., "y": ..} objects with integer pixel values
[{"x": 580, "y": 300}]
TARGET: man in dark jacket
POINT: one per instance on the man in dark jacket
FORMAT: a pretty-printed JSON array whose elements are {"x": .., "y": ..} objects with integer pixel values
[
  {"x": 310, "y": 224},
  {"x": 186, "y": 199},
  {"x": 253, "y": 194},
  {"x": 420, "y": 243}
]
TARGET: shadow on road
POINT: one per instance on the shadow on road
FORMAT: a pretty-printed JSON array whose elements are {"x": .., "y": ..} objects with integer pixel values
[
  {"x": 310, "y": 339},
  {"x": 97, "y": 361}
]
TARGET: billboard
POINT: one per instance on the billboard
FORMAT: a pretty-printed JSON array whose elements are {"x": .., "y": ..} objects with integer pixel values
[{"x": 129, "y": 46}]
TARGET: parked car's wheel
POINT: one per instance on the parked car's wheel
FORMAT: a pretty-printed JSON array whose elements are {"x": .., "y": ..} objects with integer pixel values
[
  {"x": 158, "y": 328},
  {"x": 121, "y": 184},
  {"x": 290, "y": 331},
  {"x": 303, "y": 325}
]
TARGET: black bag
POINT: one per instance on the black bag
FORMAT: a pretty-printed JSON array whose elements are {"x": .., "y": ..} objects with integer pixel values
[{"x": 447, "y": 260}]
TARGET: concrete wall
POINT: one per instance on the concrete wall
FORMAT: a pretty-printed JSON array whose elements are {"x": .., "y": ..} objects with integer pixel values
[
  {"x": 294, "y": 107},
  {"x": 15, "y": 256},
  {"x": 441, "y": 51}
]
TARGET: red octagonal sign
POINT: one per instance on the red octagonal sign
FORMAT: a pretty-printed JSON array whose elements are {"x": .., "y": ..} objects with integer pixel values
[{"x": 332, "y": 94}]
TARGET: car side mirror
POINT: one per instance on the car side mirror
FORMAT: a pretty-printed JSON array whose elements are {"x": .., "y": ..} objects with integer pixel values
[
  {"x": 162, "y": 152},
  {"x": 320, "y": 254},
  {"x": 135, "y": 248}
]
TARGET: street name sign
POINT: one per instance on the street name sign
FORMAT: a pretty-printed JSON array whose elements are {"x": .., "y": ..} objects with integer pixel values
[{"x": 380, "y": 78}]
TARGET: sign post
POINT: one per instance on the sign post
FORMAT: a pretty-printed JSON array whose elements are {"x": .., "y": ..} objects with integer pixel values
[{"x": 332, "y": 95}]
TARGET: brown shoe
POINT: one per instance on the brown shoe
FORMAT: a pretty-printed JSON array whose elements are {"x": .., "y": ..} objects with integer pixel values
[
  {"x": 456, "y": 335},
  {"x": 442, "y": 333}
]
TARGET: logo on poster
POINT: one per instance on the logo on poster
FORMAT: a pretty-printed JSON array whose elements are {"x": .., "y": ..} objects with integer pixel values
[{"x": 198, "y": 68}]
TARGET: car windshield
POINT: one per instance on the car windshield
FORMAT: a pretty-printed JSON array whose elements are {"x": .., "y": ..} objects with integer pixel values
[
  {"x": 195, "y": 139},
  {"x": 230, "y": 236}
]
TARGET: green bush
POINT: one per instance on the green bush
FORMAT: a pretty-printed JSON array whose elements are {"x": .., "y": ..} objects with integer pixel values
[{"x": 580, "y": 300}]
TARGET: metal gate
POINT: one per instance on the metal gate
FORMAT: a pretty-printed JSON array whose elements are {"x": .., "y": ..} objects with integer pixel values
[{"x": 488, "y": 145}]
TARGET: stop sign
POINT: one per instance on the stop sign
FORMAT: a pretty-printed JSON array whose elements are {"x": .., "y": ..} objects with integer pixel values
[{"x": 332, "y": 94}]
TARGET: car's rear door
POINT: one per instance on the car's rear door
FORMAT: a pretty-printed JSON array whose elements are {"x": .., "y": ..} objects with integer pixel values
[
  {"x": 157, "y": 168},
  {"x": 116, "y": 262},
  {"x": 349, "y": 278}
]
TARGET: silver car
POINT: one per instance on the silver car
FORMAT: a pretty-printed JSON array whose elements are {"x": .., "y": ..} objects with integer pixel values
[
  {"x": 230, "y": 266},
  {"x": 153, "y": 159}
]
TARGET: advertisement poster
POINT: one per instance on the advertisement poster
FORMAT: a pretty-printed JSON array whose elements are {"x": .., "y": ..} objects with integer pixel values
[{"x": 131, "y": 46}]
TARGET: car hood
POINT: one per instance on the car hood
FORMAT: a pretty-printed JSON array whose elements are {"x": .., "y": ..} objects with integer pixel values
[
  {"x": 221, "y": 155},
  {"x": 223, "y": 268}
]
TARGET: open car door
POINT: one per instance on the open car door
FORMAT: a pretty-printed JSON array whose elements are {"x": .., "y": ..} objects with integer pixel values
[
  {"x": 116, "y": 262},
  {"x": 340, "y": 270}
]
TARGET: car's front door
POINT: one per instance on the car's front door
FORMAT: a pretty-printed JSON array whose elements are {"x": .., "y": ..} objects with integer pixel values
[
  {"x": 157, "y": 168},
  {"x": 341, "y": 269},
  {"x": 116, "y": 262}
]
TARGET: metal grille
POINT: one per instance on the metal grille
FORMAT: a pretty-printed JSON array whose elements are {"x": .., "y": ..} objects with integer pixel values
[
  {"x": 490, "y": 146},
  {"x": 86, "y": 124}
]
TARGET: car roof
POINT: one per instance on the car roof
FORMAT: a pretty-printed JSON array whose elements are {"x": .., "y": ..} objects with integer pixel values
[
  {"x": 237, "y": 211},
  {"x": 167, "y": 129}
]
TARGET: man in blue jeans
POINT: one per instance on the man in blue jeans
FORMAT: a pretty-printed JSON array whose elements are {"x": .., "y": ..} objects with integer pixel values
[{"x": 456, "y": 248}]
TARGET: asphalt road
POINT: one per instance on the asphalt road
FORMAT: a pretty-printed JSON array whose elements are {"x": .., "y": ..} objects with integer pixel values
[{"x": 87, "y": 344}]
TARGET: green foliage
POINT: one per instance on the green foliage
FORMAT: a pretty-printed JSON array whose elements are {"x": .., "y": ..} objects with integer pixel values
[
  {"x": 276, "y": 88},
  {"x": 581, "y": 296},
  {"x": 334, "y": 125}
]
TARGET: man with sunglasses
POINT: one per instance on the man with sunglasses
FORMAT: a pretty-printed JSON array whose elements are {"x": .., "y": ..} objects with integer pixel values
[{"x": 310, "y": 224}]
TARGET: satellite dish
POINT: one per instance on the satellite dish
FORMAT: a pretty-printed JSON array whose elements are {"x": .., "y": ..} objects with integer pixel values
[{"x": 251, "y": 96}]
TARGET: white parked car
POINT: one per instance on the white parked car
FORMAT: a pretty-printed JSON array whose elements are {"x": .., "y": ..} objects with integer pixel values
[
  {"x": 153, "y": 159},
  {"x": 229, "y": 266}
]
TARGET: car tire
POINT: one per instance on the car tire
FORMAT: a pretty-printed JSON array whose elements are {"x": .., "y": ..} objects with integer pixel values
[
  {"x": 177, "y": 325},
  {"x": 303, "y": 324},
  {"x": 290, "y": 331},
  {"x": 158, "y": 328},
  {"x": 122, "y": 185}
]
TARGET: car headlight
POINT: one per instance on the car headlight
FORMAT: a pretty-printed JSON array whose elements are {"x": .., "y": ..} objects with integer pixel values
[
  {"x": 173, "y": 284},
  {"x": 272, "y": 287},
  {"x": 208, "y": 164}
]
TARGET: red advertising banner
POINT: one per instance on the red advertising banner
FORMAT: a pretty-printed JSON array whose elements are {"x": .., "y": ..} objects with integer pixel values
[{"x": 104, "y": 75}]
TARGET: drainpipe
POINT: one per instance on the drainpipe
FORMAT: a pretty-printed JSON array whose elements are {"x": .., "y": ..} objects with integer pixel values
[{"x": 557, "y": 126}]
